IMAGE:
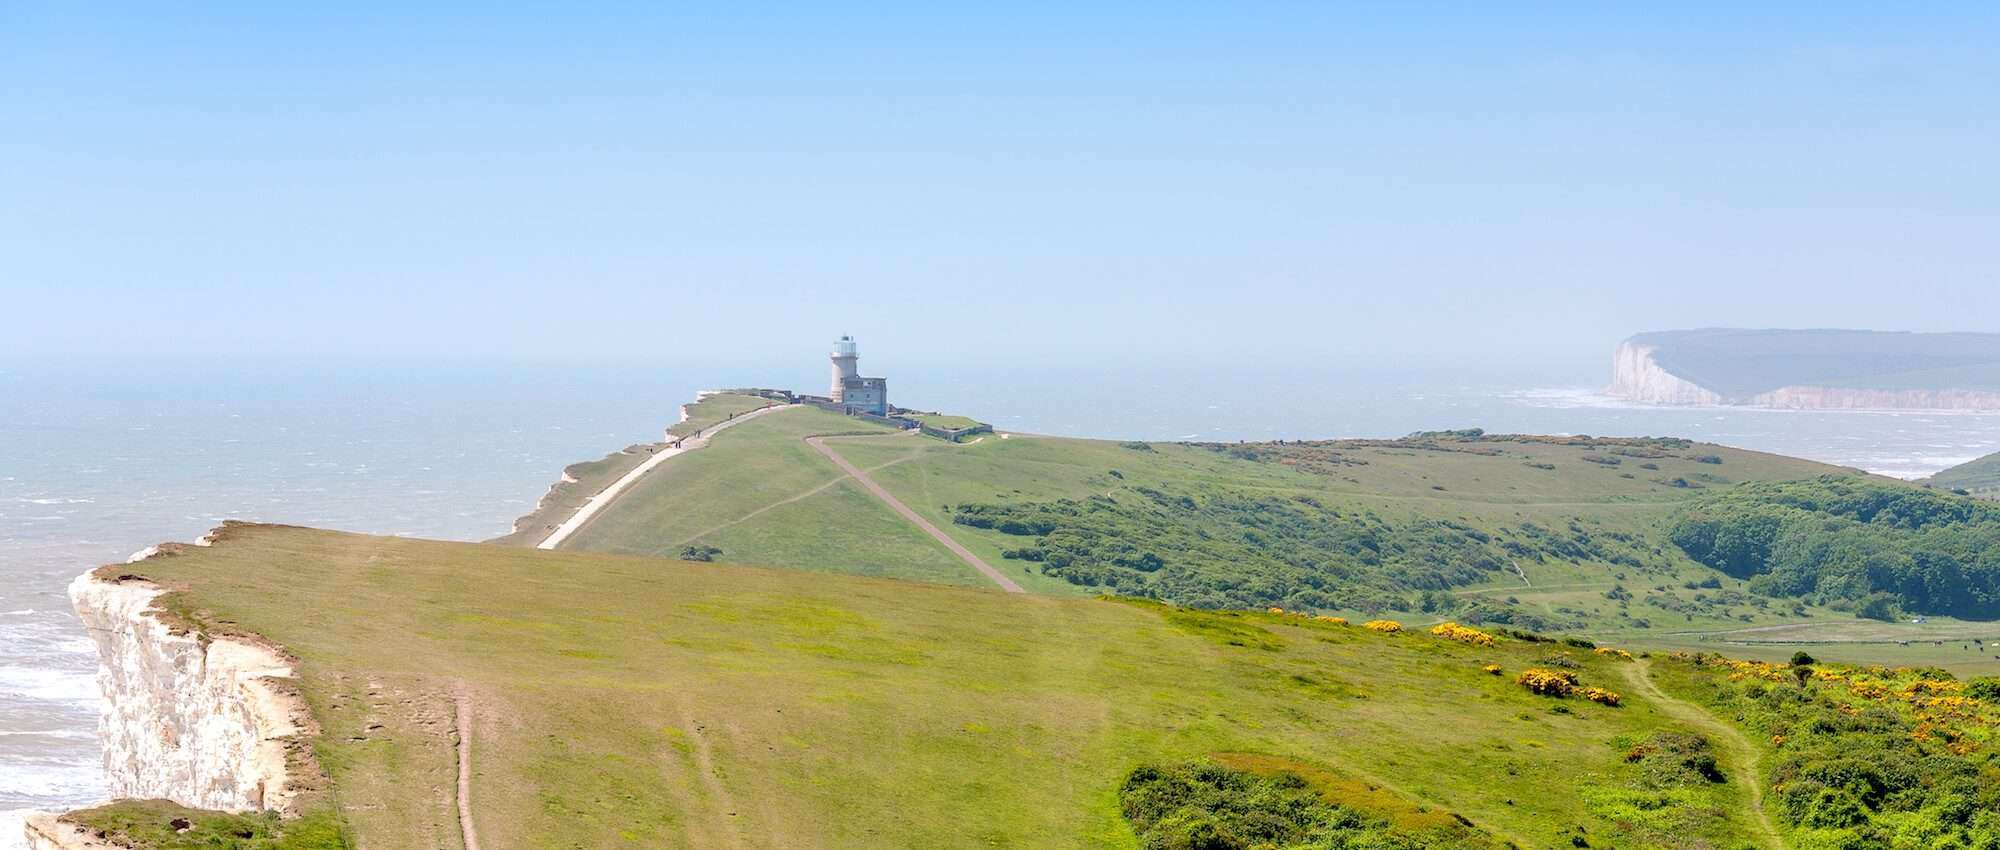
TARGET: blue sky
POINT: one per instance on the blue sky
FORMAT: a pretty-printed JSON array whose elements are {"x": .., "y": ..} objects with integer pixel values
[{"x": 1315, "y": 182}]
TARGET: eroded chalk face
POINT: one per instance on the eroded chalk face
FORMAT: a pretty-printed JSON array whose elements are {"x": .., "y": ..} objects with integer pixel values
[{"x": 206, "y": 724}]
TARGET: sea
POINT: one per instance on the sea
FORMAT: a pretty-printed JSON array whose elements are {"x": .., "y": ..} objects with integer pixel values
[{"x": 101, "y": 458}]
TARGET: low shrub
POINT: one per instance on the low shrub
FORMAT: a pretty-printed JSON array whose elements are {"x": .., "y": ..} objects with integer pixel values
[
  {"x": 1454, "y": 631},
  {"x": 1547, "y": 682},
  {"x": 1384, "y": 626}
]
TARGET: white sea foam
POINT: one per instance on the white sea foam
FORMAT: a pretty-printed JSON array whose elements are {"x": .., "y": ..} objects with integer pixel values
[
  {"x": 12, "y": 825},
  {"x": 76, "y": 782},
  {"x": 45, "y": 684},
  {"x": 60, "y": 734}
]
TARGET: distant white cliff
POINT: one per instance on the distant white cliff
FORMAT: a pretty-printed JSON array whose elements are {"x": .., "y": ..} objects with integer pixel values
[
  {"x": 1635, "y": 376},
  {"x": 1785, "y": 369},
  {"x": 206, "y": 723}
]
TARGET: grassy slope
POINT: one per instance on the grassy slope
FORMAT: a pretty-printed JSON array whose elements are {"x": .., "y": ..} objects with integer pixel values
[
  {"x": 1980, "y": 477},
  {"x": 715, "y": 408},
  {"x": 161, "y": 825},
  {"x": 947, "y": 422},
  {"x": 627, "y": 701},
  {"x": 591, "y": 477},
  {"x": 757, "y": 465},
  {"x": 738, "y": 495},
  {"x": 713, "y": 496}
]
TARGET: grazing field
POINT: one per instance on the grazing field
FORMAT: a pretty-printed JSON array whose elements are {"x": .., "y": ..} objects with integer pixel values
[
  {"x": 758, "y": 493},
  {"x": 1595, "y": 558},
  {"x": 580, "y": 481},
  {"x": 1980, "y": 477},
  {"x": 948, "y": 423},
  {"x": 621, "y": 701},
  {"x": 714, "y": 408},
  {"x": 1967, "y": 648}
]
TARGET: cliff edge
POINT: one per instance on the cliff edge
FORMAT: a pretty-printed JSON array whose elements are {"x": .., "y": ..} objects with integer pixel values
[{"x": 209, "y": 722}]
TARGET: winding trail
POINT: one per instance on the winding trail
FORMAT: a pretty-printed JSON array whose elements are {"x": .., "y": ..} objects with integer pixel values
[
  {"x": 1743, "y": 754},
  {"x": 783, "y": 502},
  {"x": 469, "y": 836},
  {"x": 964, "y": 554},
  {"x": 605, "y": 496}
]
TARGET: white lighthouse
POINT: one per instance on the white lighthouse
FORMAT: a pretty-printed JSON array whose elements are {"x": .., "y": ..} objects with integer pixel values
[
  {"x": 854, "y": 393},
  {"x": 845, "y": 366}
]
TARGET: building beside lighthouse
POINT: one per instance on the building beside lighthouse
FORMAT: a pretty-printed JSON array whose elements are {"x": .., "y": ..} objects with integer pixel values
[{"x": 851, "y": 391}]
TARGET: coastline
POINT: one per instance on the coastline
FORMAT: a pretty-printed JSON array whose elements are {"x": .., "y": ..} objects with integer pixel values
[
  {"x": 1638, "y": 377},
  {"x": 599, "y": 500},
  {"x": 208, "y": 721}
]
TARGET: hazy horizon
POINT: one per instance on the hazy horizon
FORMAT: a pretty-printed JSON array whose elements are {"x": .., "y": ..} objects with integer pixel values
[{"x": 1260, "y": 187}]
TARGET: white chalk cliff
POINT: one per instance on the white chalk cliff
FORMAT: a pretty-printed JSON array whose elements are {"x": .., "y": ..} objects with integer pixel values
[
  {"x": 1636, "y": 377},
  {"x": 206, "y": 723}
]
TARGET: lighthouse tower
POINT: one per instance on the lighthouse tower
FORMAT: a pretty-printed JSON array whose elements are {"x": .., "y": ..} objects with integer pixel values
[{"x": 845, "y": 360}]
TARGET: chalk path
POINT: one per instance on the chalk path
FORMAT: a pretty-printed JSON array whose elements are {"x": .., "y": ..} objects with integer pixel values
[
  {"x": 604, "y": 497},
  {"x": 897, "y": 505},
  {"x": 468, "y": 836}
]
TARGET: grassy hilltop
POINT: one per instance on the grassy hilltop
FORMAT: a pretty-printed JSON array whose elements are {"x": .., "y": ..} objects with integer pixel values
[
  {"x": 1979, "y": 477},
  {"x": 638, "y": 702},
  {"x": 1569, "y": 534},
  {"x": 1299, "y": 645},
  {"x": 582, "y": 480}
]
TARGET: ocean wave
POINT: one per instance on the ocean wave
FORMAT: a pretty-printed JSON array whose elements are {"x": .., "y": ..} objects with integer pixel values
[
  {"x": 61, "y": 786},
  {"x": 34, "y": 500},
  {"x": 12, "y": 822},
  {"x": 58, "y": 734},
  {"x": 46, "y": 684}
]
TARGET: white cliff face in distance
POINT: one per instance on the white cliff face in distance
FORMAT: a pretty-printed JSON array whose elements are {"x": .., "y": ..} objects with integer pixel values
[{"x": 1636, "y": 377}]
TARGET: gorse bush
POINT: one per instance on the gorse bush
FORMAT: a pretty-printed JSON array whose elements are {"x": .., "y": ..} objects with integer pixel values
[
  {"x": 1456, "y": 632},
  {"x": 1673, "y": 759},
  {"x": 1383, "y": 626},
  {"x": 1868, "y": 758},
  {"x": 1210, "y": 807},
  {"x": 1547, "y": 681}
]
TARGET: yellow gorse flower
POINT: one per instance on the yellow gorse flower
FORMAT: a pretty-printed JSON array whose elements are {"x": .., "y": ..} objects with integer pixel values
[
  {"x": 1600, "y": 695},
  {"x": 1454, "y": 631},
  {"x": 1547, "y": 682}
]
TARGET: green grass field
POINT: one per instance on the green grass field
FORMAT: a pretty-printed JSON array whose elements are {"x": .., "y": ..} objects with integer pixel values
[
  {"x": 761, "y": 496},
  {"x": 713, "y": 409},
  {"x": 625, "y": 701},
  {"x": 947, "y": 422},
  {"x": 1980, "y": 477},
  {"x": 582, "y": 480}
]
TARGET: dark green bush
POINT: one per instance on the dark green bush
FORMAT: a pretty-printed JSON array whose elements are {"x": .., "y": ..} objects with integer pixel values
[{"x": 1878, "y": 547}]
